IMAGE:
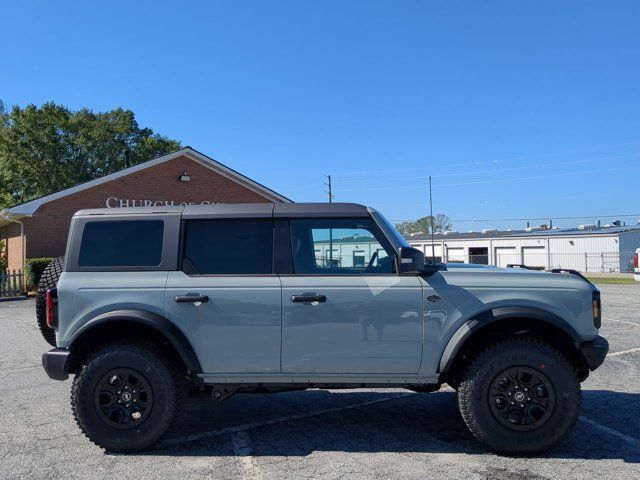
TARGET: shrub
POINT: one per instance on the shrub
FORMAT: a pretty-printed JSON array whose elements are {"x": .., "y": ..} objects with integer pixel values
[
  {"x": 33, "y": 271},
  {"x": 3, "y": 257}
]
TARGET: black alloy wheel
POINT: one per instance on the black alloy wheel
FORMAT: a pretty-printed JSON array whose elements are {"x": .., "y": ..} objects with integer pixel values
[
  {"x": 124, "y": 398},
  {"x": 521, "y": 398}
]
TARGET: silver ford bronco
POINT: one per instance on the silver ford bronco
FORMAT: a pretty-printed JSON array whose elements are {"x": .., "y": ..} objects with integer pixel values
[{"x": 152, "y": 303}]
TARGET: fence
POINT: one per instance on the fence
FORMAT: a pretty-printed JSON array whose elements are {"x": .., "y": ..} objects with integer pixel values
[{"x": 11, "y": 283}]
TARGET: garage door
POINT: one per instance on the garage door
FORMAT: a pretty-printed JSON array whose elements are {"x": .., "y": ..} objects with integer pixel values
[
  {"x": 455, "y": 255},
  {"x": 534, "y": 256},
  {"x": 506, "y": 255}
]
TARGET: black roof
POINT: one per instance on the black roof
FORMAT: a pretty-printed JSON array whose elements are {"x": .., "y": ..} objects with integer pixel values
[{"x": 320, "y": 210}]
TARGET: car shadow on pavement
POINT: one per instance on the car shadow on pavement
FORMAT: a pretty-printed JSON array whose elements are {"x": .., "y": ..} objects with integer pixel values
[{"x": 299, "y": 423}]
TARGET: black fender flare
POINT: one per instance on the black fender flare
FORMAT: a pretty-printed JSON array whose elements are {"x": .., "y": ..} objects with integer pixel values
[
  {"x": 159, "y": 323},
  {"x": 467, "y": 329}
]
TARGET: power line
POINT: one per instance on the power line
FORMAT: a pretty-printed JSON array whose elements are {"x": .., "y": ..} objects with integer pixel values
[
  {"x": 548, "y": 217},
  {"x": 522, "y": 157},
  {"x": 498, "y": 180},
  {"x": 509, "y": 169},
  {"x": 551, "y": 217}
]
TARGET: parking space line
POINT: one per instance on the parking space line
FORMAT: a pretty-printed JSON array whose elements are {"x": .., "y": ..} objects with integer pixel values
[
  {"x": 242, "y": 450},
  {"x": 624, "y": 352},
  {"x": 622, "y": 321},
  {"x": 273, "y": 421},
  {"x": 610, "y": 431}
]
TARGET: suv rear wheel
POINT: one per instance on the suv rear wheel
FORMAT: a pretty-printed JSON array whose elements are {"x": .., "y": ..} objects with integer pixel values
[
  {"x": 125, "y": 396},
  {"x": 520, "y": 396}
]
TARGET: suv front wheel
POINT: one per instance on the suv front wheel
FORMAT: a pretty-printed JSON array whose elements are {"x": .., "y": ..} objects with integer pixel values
[
  {"x": 520, "y": 396},
  {"x": 125, "y": 396}
]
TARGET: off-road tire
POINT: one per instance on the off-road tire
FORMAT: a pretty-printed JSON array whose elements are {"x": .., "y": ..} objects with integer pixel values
[
  {"x": 165, "y": 375},
  {"x": 49, "y": 279},
  {"x": 474, "y": 396}
]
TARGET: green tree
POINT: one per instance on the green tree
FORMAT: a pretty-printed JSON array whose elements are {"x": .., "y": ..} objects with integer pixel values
[
  {"x": 441, "y": 223},
  {"x": 47, "y": 149}
]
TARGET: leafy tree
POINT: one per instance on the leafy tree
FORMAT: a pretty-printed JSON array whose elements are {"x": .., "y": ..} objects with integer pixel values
[
  {"x": 47, "y": 149},
  {"x": 441, "y": 223}
]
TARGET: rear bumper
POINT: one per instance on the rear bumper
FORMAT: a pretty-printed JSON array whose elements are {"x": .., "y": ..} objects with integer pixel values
[
  {"x": 595, "y": 351},
  {"x": 56, "y": 363}
]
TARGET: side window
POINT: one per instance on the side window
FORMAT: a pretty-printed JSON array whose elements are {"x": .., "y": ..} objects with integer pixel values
[
  {"x": 339, "y": 246},
  {"x": 228, "y": 247},
  {"x": 122, "y": 243}
]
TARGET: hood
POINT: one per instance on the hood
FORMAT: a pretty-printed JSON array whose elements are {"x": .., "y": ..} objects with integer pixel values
[{"x": 466, "y": 275}]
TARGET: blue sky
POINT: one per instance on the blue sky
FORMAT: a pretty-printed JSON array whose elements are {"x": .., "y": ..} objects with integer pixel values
[{"x": 517, "y": 109}]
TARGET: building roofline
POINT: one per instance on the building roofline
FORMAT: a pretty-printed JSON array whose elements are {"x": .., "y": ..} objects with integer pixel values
[{"x": 29, "y": 208}]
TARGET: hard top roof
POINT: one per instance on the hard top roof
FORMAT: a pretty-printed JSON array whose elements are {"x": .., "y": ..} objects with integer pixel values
[{"x": 241, "y": 210}]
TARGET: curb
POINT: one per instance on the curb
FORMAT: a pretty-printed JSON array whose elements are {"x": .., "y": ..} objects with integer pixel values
[{"x": 11, "y": 299}]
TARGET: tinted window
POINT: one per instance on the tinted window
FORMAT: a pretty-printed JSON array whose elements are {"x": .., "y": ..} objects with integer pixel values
[
  {"x": 129, "y": 243},
  {"x": 339, "y": 246},
  {"x": 228, "y": 247}
]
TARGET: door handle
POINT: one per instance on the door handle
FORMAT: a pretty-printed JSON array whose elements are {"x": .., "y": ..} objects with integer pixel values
[
  {"x": 191, "y": 298},
  {"x": 308, "y": 298}
]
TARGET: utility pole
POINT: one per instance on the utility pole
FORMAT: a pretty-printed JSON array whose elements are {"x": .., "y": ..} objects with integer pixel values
[
  {"x": 433, "y": 245},
  {"x": 329, "y": 191}
]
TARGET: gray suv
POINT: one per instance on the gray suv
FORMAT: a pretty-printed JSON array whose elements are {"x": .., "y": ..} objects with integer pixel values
[{"x": 153, "y": 303}]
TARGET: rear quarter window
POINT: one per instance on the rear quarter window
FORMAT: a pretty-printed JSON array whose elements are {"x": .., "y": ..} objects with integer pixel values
[{"x": 123, "y": 243}]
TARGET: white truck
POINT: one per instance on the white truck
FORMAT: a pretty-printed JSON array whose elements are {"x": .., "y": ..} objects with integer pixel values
[{"x": 636, "y": 265}]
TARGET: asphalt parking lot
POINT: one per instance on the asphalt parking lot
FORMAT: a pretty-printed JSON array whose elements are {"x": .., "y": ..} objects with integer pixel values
[{"x": 317, "y": 434}]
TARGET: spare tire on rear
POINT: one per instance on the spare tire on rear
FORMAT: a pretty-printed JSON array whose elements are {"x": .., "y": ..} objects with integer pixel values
[{"x": 49, "y": 279}]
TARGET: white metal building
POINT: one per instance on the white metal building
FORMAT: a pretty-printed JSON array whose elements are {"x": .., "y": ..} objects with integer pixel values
[{"x": 588, "y": 248}]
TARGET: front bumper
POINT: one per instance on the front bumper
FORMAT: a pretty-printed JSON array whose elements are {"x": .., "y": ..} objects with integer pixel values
[
  {"x": 595, "y": 351},
  {"x": 56, "y": 363}
]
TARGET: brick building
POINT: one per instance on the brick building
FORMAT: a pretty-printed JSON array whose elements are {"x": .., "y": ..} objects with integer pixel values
[{"x": 39, "y": 228}]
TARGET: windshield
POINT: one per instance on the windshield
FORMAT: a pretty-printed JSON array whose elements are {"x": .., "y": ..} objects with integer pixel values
[{"x": 389, "y": 230}]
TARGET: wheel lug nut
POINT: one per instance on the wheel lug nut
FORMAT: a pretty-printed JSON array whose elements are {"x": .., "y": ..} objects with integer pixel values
[
  {"x": 517, "y": 387},
  {"x": 509, "y": 393},
  {"x": 512, "y": 403},
  {"x": 521, "y": 406},
  {"x": 528, "y": 399},
  {"x": 526, "y": 390}
]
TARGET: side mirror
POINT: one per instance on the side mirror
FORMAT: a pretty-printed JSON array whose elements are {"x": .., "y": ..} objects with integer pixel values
[{"x": 411, "y": 260}]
